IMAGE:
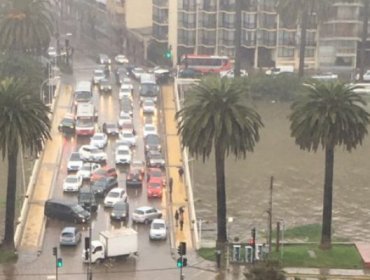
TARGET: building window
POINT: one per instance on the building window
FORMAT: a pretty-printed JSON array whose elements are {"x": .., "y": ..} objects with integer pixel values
[
  {"x": 228, "y": 21},
  {"x": 286, "y": 52},
  {"x": 267, "y": 21},
  {"x": 286, "y": 38},
  {"x": 249, "y": 21},
  {"x": 309, "y": 52},
  {"x": 249, "y": 38}
]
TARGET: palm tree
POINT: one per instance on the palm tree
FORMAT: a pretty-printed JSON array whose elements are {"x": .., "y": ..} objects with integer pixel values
[
  {"x": 299, "y": 11},
  {"x": 26, "y": 26},
  {"x": 330, "y": 115},
  {"x": 24, "y": 123},
  {"x": 365, "y": 22},
  {"x": 217, "y": 115}
]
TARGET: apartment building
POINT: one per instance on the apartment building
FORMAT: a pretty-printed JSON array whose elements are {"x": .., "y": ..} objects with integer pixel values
[{"x": 208, "y": 27}]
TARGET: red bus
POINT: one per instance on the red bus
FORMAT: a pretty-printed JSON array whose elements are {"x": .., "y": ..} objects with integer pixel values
[{"x": 206, "y": 63}]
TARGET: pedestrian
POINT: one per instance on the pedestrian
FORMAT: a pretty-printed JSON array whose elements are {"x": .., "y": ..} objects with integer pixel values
[
  {"x": 177, "y": 218},
  {"x": 170, "y": 183},
  {"x": 181, "y": 210},
  {"x": 181, "y": 218},
  {"x": 181, "y": 172}
]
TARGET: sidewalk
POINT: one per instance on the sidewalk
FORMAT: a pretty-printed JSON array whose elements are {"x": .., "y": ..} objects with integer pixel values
[
  {"x": 174, "y": 161},
  {"x": 31, "y": 238}
]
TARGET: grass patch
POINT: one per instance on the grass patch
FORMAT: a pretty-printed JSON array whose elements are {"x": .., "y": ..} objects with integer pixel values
[
  {"x": 7, "y": 256},
  {"x": 208, "y": 253},
  {"x": 340, "y": 256}
]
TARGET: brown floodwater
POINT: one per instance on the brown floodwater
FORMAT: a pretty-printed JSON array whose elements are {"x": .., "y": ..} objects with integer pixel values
[{"x": 298, "y": 184}]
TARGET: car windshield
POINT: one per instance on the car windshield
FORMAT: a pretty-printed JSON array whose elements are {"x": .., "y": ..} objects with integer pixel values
[
  {"x": 83, "y": 95},
  {"x": 84, "y": 123},
  {"x": 119, "y": 206},
  {"x": 98, "y": 73},
  {"x": 98, "y": 137},
  {"x": 78, "y": 208},
  {"x": 71, "y": 179},
  {"x": 75, "y": 157},
  {"x": 155, "y": 174},
  {"x": 156, "y": 156},
  {"x": 139, "y": 212},
  {"x": 155, "y": 185},
  {"x": 127, "y": 135},
  {"x": 157, "y": 226},
  {"x": 150, "y": 128},
  {"x": 123, "y": 152},
  {"x": 113, "y": 194},
  {"x": 67, "y": 234},
  {"x": 111, "y": 126}
]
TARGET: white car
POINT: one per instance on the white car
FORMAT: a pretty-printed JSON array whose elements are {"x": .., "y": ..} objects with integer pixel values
[
  {"x": 137, "y": 71},
  {"x": 123, "y": 154},
  {"x": 145, "y": 214},
  {"x": 127, "y": 82},
  {"x": 125, "y": 92},
  {"x": 366, "y": 76},
  {"x": 98, "y": 75},
  {"x": 52, "y": 53},
  {"x": 72, "y": 183},
  {"x": 326, "y": 76},
  {"x": 86, "y": 170},
  {"x": 149, "y": 106},
  {"x": 128, "y": 137},
  {"x": 158, "y": 230},
  {"x": 121, "y": 59},
  {"x": 92, "y": 153},
  {"x": 75, "y": 162},
  {"x": 149, "y": 129},
  {"x": 230, "y": 73},
  {"x": 99, "y": 140},
  {"x": 115, "y": 195},
  {"x": 124, "y": 119}
]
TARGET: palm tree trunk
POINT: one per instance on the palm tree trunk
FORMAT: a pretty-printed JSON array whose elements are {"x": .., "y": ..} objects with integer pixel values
[
  {"x": 10, "y": 201},
  {"x": 238, "y": 34},
  {"x": 221, "y": 197},
  {"x": 327, "y": 199},
  {"x": 363, "y": 39},
  {"x": 302, "y": 46}
]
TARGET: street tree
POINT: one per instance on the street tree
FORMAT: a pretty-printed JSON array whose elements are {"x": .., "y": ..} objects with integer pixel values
[
  {"x": 24, "y": 124},
  {"x": 299, "y": 12},
  {"x": 26, "y": 26},
  {"x": 217, "y": 115},
  {"x": 329, "y": 115}
]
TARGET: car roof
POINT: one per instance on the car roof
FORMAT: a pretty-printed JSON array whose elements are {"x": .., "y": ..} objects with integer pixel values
[
  {"x": 155, "y": 180},
  {"x": 159, "y": 221},
  {"x": 69, "y": 229},
  {"x": 144, "y": 208}
]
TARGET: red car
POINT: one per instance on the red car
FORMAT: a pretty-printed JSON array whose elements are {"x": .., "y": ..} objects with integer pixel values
[
  {"x": 106, "y": 171},
  {"x": 155, "y": 173},
  {"x": 154, "y": 187}
]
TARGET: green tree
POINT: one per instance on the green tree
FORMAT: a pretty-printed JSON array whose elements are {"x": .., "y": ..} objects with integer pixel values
[
  {"x": 24, "y": 123},
  {"x": 265, "y": 271},
  {"x": 364, "y": 33},
  {"x": 329, "y": 115},
  {"x": 299, "y": 12},
  {"x": 217, "y": 115},
  {"x": 25, "y": 26}
]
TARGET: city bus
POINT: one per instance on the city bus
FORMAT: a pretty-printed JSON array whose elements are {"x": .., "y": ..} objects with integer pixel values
[
  {"x": 83, "y": 92},
  {"x": 206, "y": 63},
  {"x": 85, "y": 119}
]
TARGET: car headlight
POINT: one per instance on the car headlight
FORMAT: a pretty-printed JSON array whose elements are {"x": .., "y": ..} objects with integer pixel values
[{"x": 113, "y": 214}]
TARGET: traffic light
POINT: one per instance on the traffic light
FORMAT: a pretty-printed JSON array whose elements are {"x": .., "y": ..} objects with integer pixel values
[
  {"x": 181, "y": 249},
  {"x": 184, "y": 262},
  {"x": 55, "y": 251},
  {"x": 179, "y": 262},
  {"x": 168, "y": 53},
  {"x": 253, "y": 233},
  {"x": 59, "y": 262},
  {"x": 87, "y": 247}
]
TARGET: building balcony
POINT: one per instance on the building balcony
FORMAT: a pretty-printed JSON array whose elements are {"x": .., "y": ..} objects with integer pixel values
[{"x": 160, "y": 3}]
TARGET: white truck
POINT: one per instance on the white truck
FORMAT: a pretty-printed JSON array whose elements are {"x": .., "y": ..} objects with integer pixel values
[{"x": 113, "y": 243}]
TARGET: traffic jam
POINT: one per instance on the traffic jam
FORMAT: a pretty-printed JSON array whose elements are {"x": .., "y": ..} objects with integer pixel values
[{"x": 117, "y": 167}]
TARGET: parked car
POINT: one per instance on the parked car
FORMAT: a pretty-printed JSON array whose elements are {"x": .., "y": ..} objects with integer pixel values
[
  {"x": 105, "y": 171},
  {"x": 66, "y": 211},
  {"x": 102, "y": 186},
  {"x": 72, "y": 183},
  {"x": 154, "y": 188},
  {"x": 366, "y": 76},
  {"x": 92, "y": 153},
  {"x": 149, "y": 106},
  {"x": 158, "y": 230},
  {"x": 149, "y": 129},
  {"x": 105, "y": 86},
  {"x": 103, "y": 59},
  {"x": 134, "y": 178},
  {"x": 75, "y": 162},
  {"x": 152, "y": 142},
  {"x": 86, "y": 169},
  {"x": 121, "y": 59},
  {"x": 70, "y": 236},
  {"x": 115, "y": 195},
  {"x": 146, "y": 214},
  {"x": 120, "y": 211},
  {"x": 155, "y": 159},
  {"x": 128, "y": 137},
  {"x": 68, "y": 124},
  {"x": 190, "y": 74},
  {"x": 123, "y": 155},
  {"x": 111, "y": 129},
  {"x": 230, "y": 73},
  {"x": 99, "y": 140},
  {"x": 86, "y": 198}
]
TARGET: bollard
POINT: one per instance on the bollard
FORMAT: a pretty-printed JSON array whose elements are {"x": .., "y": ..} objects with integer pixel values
[{"x": 218, "y": 258}]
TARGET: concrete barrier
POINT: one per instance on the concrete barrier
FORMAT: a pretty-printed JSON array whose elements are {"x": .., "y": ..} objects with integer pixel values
[{"x": 31, "y": 184}]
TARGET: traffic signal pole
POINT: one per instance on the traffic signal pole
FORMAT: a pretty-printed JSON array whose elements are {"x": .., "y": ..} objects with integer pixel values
[{"x": 55, "y": 253}]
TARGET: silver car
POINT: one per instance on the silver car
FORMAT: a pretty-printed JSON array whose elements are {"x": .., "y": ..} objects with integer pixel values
[
  {"x": 146, "y": 214},
  {"x": 70, "y": 236}
]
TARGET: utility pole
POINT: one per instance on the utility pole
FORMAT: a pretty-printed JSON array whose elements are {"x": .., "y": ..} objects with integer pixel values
[
  {"x": 89, "y": 273},
  {"x": 269, "y": 211}
]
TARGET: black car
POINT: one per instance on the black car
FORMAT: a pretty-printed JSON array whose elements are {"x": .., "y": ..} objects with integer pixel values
[
  {"x": 102, "y": 186},
  {"x": 190, "y": 74},
  {"x": 105, "y": 86},
  {"x": 134, "y": 178},
  {"x": 66, "y": 211},
  {"x": 86, "y": 198},
  {"x": 67, "y": 125},
  {"x": 155, "y": 158},
  {"x": 152, "y": 142},
  {"x": 120, "y": 211}
]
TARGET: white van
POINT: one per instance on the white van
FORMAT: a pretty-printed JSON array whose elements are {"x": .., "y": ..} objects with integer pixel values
[
  {"x": 85, "y": 119},
  {"x": 83, "y": 92},
  {"x": 148, "y": 87}
]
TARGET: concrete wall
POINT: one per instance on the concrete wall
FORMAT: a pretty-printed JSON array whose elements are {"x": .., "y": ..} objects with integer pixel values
[{"x": 138, "y": 13}]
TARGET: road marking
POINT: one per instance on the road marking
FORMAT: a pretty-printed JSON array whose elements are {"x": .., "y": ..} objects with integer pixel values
[{"x": 50, "y": 277}]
